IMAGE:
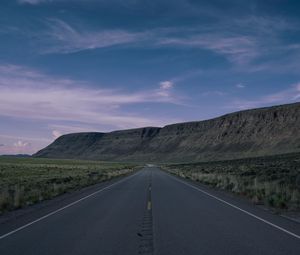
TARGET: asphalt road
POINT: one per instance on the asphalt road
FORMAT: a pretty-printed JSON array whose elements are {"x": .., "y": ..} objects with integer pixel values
[{"x": 150, "y": 212}]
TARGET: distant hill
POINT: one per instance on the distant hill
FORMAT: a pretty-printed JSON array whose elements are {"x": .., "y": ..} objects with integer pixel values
[
  {"x": 250, "y": 133},
  {"x": 15, "y": 155}
]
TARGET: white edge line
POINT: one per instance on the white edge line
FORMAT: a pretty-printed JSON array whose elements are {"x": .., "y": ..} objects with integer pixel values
[
  {"x": 65, "y": 207},
  {"x": 238, "y": 208}
]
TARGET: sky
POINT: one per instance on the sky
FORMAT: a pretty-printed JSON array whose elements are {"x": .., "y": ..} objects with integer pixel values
[{"x": 101, "y": 65}]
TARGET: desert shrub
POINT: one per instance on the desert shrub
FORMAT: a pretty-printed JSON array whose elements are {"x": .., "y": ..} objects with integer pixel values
[
  {"x": 28, "y": 181},
  {"x": 273, "y": 181}
]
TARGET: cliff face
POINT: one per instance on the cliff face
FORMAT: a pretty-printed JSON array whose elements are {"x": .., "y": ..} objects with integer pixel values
[{"x": 257, "y": 132}]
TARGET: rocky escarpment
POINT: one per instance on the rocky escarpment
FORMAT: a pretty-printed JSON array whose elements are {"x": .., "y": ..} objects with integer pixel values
[{"x": 264, "y": 131}]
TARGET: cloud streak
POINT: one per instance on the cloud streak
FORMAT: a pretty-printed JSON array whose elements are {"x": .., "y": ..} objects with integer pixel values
[
  {"x": 289, "y": 95},
  {"x": 56, "y": 134},
  {"x": 238, "y": 49},
  {"x": 165, "y": 89},
  {"x": 26, "y": 93},
  {"x": 64, "y": 38},
  {"x": 248, "y": 43},
  {"x": 240, "y": 86},
  {"x": 19, "y": 147},
  {"x": 21, "y": 144},
  {"x": 33, "y": 2}
]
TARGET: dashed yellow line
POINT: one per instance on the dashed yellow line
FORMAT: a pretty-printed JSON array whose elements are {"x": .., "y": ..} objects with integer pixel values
[{"x": 149, "y": 205}]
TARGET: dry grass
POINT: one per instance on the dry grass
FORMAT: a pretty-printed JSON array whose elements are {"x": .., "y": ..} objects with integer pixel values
[
  {"x": 273, "y": 181},
  {"x": 25, "y": 181}
]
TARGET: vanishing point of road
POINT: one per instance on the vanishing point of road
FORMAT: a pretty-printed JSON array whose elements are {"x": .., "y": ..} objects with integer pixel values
[{"x": 150, "y": 212}]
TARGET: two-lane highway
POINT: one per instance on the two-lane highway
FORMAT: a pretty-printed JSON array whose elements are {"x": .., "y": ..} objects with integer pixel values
[{"x": 152, "y": 212}]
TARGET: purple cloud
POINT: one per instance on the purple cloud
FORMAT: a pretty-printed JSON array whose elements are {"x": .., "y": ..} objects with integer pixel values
[{"x": 26, "y": 93}]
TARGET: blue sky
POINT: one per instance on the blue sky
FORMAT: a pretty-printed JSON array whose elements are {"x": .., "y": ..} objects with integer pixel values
[{"x": 95, "y": 65}]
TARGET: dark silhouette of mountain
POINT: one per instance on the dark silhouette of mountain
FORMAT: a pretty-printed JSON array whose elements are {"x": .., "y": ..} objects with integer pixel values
[{"x": 250, "y": 133}]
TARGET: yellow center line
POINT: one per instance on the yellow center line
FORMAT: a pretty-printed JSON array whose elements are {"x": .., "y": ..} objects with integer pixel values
[{"x": 149, "y": 205}]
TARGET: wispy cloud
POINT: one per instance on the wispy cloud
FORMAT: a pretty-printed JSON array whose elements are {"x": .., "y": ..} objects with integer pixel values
[
  {"x": 263, "y": 25},
  {"x": 21, "y": 144},
  {"x": 72, "y": 128},
  {"x": 248, "y": 43},
  {"x": 240, "y": 86},
  {"x": 26, "y": 93},
  {"x": 289, "y": 95},
  {"x": 33, "y": 2},
  {"x": 166, "y": 85},
  {"x": 16, "y": 145},
  {"x": 9, "y": 137},
  {"x": 238, "y": 49},
  {"x": 56, "y": 134},
  {"x": 20, "y": 147},
  {"x": 64, "y": 38},
  {"x": 165, "y": 88}
]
